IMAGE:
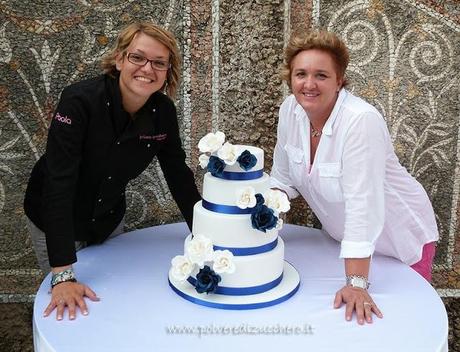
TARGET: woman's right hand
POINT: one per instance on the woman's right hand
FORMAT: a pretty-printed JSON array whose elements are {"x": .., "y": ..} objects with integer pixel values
[{"x": 69, "y": 294}]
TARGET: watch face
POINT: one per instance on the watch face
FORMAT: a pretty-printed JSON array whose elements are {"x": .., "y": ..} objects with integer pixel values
[{"x": 359, "y": 282}]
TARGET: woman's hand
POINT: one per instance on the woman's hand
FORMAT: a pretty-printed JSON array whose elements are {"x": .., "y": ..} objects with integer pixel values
[
  {"x": 359, "y": 300},
  {"x": 70, "y": 294}
]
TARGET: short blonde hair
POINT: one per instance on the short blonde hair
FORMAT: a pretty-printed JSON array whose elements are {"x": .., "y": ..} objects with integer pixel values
[
  {"x": 320, "y": 40},
  {"x": 126, "y": 36}
]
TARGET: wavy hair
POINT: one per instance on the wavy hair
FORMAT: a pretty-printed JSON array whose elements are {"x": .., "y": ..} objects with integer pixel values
[{"x": 320, "y": 40}]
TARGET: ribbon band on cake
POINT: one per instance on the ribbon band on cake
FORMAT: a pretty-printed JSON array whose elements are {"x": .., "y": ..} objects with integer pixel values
[
  {"x": 243, "y": 291},
  {"x": 249, "y": 250},
  {"x": 225, "y": 209},
  {"x": 240, "y": 176}
]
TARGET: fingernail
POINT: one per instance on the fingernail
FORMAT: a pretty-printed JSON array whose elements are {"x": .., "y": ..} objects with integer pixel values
[
  {"x": 361, "y": 321},
  {"x": 85, "y": 312},
  {"x": 59, "y": 317},
  {"x": 72, "y": 317},
  {"x": 348, "y": 318}
]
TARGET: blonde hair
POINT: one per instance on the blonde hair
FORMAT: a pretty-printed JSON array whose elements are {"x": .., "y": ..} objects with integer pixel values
[
  {"x": 126, "y": 36},
  {"x": 320, "y": 40}
]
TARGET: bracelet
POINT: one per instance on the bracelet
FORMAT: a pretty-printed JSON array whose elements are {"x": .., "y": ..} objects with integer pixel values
[
  {"x": 63, "y": 276},
  {"x": 357, "y": 281}
]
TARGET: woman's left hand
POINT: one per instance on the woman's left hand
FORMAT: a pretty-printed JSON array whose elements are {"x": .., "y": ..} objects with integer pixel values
[{"x": 359, "y": 300}]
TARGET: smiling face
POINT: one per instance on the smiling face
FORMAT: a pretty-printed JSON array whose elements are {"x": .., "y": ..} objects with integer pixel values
[
  {"x": 138, "y": 83},
  {"x": 315, "y": 83}
]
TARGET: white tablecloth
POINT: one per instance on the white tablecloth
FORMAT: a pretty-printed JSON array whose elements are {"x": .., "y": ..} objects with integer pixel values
[{"x": 138, "y": 307}]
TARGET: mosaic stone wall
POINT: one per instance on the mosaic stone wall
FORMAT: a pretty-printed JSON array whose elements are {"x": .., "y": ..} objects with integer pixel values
[{"x": 404, "y": 60}]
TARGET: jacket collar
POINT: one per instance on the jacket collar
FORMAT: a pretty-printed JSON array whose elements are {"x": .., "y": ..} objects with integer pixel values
[{"x": 144, "y": 119}]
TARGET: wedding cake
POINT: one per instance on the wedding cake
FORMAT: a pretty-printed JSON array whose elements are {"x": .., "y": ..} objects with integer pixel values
[{"x": 234, "y": 258}]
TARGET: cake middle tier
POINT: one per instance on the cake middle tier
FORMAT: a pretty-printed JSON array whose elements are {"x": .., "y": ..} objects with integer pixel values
[
  {"x": 224, "y": 192},
  {"x": 230, "y": 230}
]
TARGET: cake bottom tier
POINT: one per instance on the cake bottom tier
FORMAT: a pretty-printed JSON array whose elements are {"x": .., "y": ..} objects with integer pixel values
[
  {"x": 287, "y": 287},
  {"x": 254, "y": 273}
]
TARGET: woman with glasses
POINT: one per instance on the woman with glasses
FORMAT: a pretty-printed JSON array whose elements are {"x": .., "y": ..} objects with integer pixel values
[{"x": 104, "y": 133}]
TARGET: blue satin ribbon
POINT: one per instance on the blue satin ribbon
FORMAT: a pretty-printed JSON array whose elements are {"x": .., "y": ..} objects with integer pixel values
[
  {"x": 225, "y": 209},
  {"x": 241, "y": 176},
  {"x": 249, "y": 250},
  {"x": 242, "y": 291},
  {"x": 235, "y": 306}
]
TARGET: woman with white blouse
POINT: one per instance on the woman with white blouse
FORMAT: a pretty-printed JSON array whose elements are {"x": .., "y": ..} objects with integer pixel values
[{"x": 334, "y": 149}]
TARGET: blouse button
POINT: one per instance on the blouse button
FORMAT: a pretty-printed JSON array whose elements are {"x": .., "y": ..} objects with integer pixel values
[
  {"x": 109, "y": 178},
  {"x": 108, "y": 103},
  {"x": 148, "y": 145}
]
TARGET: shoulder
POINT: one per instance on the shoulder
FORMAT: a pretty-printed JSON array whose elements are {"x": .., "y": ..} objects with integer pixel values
[
  {"x": 163, "y": 103},
  {"x": 90, "y": 90},
  {"x": 288, "y": 109},
  {"x": 356, "y": 106},
  {"x": 362, "y": 116}
]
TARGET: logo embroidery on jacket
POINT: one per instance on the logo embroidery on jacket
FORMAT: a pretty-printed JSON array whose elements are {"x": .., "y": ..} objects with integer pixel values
[
  {"x": 63, "y": 119},
  {"x": 157, "y": 137}
]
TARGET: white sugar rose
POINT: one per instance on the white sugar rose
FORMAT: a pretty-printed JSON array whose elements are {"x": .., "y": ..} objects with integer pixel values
[
  {"x": 223, "y": 262},
  {"x": 228, "y": 153},
  {"x": 199, "y": 250},
  {"x": 211, "y": 142},
  {"x": 181, "y": 267},
  {"x": 204, "y": 160},
  {"x": 246, "y": 197},
  {"x": 277, "y": 200}
]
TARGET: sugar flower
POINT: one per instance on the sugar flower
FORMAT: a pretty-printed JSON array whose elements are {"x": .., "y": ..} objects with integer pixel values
[
  {"x": 277, "y": 200},
  {"x": 199, "y": 250},
  {"x": 204, "y": 160},
  {"x": 223, "y": 262},
  {"x": 211, "y": 142},
  {"x": 228, "y": 153},
  {"x": 245, "y": 197},
  {"x": 181, "y": 267}
]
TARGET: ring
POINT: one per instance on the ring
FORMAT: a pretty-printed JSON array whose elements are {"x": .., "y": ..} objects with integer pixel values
[{"x": 368, "y": 304}]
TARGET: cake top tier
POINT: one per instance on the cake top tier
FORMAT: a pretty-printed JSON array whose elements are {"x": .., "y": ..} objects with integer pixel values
[{"x": 229, "y": 161}]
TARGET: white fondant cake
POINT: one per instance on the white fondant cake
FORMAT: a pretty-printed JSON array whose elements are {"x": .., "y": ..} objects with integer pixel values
[{"x": 234, "y": 258}]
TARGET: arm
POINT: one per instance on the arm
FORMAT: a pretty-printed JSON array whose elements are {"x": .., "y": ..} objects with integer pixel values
[
  {"x": 178, "y": 175},
  {"x": 363, "y": 182},
  {"x": 63, "y": 156}
]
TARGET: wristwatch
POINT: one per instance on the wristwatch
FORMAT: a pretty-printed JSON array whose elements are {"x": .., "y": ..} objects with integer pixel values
[
  {"x": 358, "y": 281},
  {"x": 64, "y": 276}
]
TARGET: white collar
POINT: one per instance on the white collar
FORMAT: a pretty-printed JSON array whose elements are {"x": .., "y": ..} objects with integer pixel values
[{"x": 300, "y": 113}]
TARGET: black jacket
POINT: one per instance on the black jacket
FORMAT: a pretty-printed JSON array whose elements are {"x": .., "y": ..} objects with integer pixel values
[{"x": 76, "y": 191}]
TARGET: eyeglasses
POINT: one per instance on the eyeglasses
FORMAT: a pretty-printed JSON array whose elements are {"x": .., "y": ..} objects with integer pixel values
[{"x": 139, "y": 60}]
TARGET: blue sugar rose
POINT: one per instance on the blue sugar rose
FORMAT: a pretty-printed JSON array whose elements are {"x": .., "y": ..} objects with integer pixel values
[
  {"x": 216, "y": 166},
  {"x": 259, "y": 201},
  {"x": 263, "y": 218},
  {"x": 207, "y": 280},
  {"x": 247, "y": 160}
]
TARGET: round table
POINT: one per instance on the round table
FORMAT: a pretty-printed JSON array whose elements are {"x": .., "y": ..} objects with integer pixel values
[{"x": 138, "y": 310}]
